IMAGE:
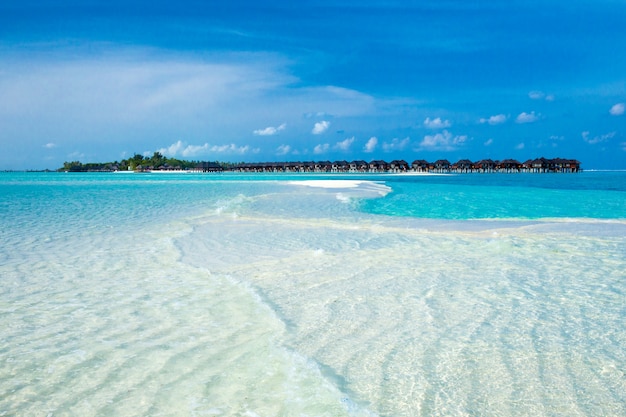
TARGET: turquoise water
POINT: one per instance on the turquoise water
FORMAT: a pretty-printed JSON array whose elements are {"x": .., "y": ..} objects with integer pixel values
[
  {"x": 597, "y": 195},
  {"x": 205, "y": 295}
]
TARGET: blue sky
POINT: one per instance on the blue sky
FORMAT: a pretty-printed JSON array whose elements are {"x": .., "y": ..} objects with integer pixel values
[{"x": 325, "y": 80}]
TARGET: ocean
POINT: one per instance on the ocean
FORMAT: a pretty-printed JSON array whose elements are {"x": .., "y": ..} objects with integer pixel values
[{"x": 312, "y": 295}]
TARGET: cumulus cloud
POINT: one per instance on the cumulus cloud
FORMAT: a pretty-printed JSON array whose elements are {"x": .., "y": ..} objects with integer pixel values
[
  {"x": 283, "y": 150},
  {"x": 495, "y": 120},
  {"x": 488, "y": 142},
  {"x": 618, "y": 109},
  {"x": 520, "y": 146},
  {"x": 395, "y": 145},
  {"x": 527, "y": 117},
  {"x": 597, "y": 139},
  {"x": 436, "y": 123},
  {"x": 321, "y": 148},
  {"x": 50, "y": 145},
  {"x": 270, "y": 130},
  {"x": 320, "y": 127},
  {"x": 180, "y": 148},
  {"x": 344, "y": 145},
  {"x": 371, "y": 144},
  {"x": 173, "y": 150},
  {"x": 444, "y": 141},
  {"x": 233, "y": 149}
]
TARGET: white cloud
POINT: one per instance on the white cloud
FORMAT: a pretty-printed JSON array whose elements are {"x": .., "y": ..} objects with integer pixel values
[
  {"x": 283, "y": 150},
  {"x": 180, "y": 148},
  {"x": 344, "y": 145},
  {"x": 488, "y": 142},
  {"x": 443, "y": 141},
  {"x": 520, "y": 146},
  {"x": 395, "y": 145},
  {"x": 618, "y": 109},
  {"x": 321, "y": 148},
  {"x": 172, "y": 150},
  {"x": 320, "y": 127},
  {"x": 50, "y": 145},
  {"x": 495, "y": 120},
  {"x": 196, "y": 150},
  {"x": 540, "y": 95},
  {"x": 230, "y": 149},
  {"x": 597, "y": 139},
  {"x": 527, "y": 117},
  {"x": 270, "y": 130},
  {"x": 371, "y": 144},
  {"x": 436, "y": 123},
  {"x": 95, "y": 100}
]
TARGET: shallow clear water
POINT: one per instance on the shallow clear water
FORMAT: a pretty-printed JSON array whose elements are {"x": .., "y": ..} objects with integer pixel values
[{"x": 232, "y": 295}]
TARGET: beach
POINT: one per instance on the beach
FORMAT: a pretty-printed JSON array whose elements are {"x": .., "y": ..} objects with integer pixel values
[{"x": 303, "y": 295}]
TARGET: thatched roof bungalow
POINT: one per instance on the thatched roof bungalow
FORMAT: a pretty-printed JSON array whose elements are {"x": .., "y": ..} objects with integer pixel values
[
  {"x": 419, "y": 165},
  {"x": 565, "y": 165},
  {"x": 359, "y": 166},
  {"x": 540, "y": 165},
  {"x": 463, "y": 165},
  {"x": 441, "y": 165},
  {"x": 340, "y": 166},
  {"x": 323, "y": 166},
  {"x": 205, "y": 167},
  {"x": 378, "y": 166},
  {"x": 398, "y": 165},
  {"x": 485, "y": 165},
  {"x": 509, "y": 165}
]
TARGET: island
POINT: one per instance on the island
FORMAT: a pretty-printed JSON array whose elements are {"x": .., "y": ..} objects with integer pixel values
[{"x": 159, "y": 163}]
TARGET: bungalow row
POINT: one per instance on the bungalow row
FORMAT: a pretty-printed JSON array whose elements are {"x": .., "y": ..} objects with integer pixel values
[{"x": 539, "y": 165}]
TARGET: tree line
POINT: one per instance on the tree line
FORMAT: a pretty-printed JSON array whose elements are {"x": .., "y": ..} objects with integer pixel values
[{"x": 136, "y": 162}]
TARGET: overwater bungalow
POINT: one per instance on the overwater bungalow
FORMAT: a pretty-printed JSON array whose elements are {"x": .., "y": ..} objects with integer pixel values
[
  {"x": 538, "y": 165},
  {"x": 509, "y": 165},
  {"x": 378, "y": 166},
  {"x": 340, "y": 166},
  {"x": 359, "y": 166},
  {"x": 485, "y": 165},
  {"x": 398, "y": 165},
  {"x": 462, "y": 166},
  {"x": 441, "y": 165},
  {"x": 323, "y": 166},
  {"x": 565, "y": 165},
  {"x": 419, "y": 165},
  {"x": 202, "y": 166}
]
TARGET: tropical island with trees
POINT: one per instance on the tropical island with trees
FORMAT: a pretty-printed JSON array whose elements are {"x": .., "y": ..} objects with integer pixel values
[{"x": 159, "y": 163}]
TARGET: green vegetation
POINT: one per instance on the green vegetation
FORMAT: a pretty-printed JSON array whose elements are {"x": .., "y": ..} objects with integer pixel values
[{"x": 139, "y": 163}]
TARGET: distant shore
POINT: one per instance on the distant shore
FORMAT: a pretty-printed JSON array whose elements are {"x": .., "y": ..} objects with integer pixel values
[{"x": 442, "y": 166}]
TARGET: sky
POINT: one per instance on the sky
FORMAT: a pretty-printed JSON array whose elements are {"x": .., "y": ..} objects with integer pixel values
[{"x": 254, "y": 81}]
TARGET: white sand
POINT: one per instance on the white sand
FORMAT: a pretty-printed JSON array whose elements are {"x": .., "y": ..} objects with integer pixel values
[{"x": 330, "y": 183}]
